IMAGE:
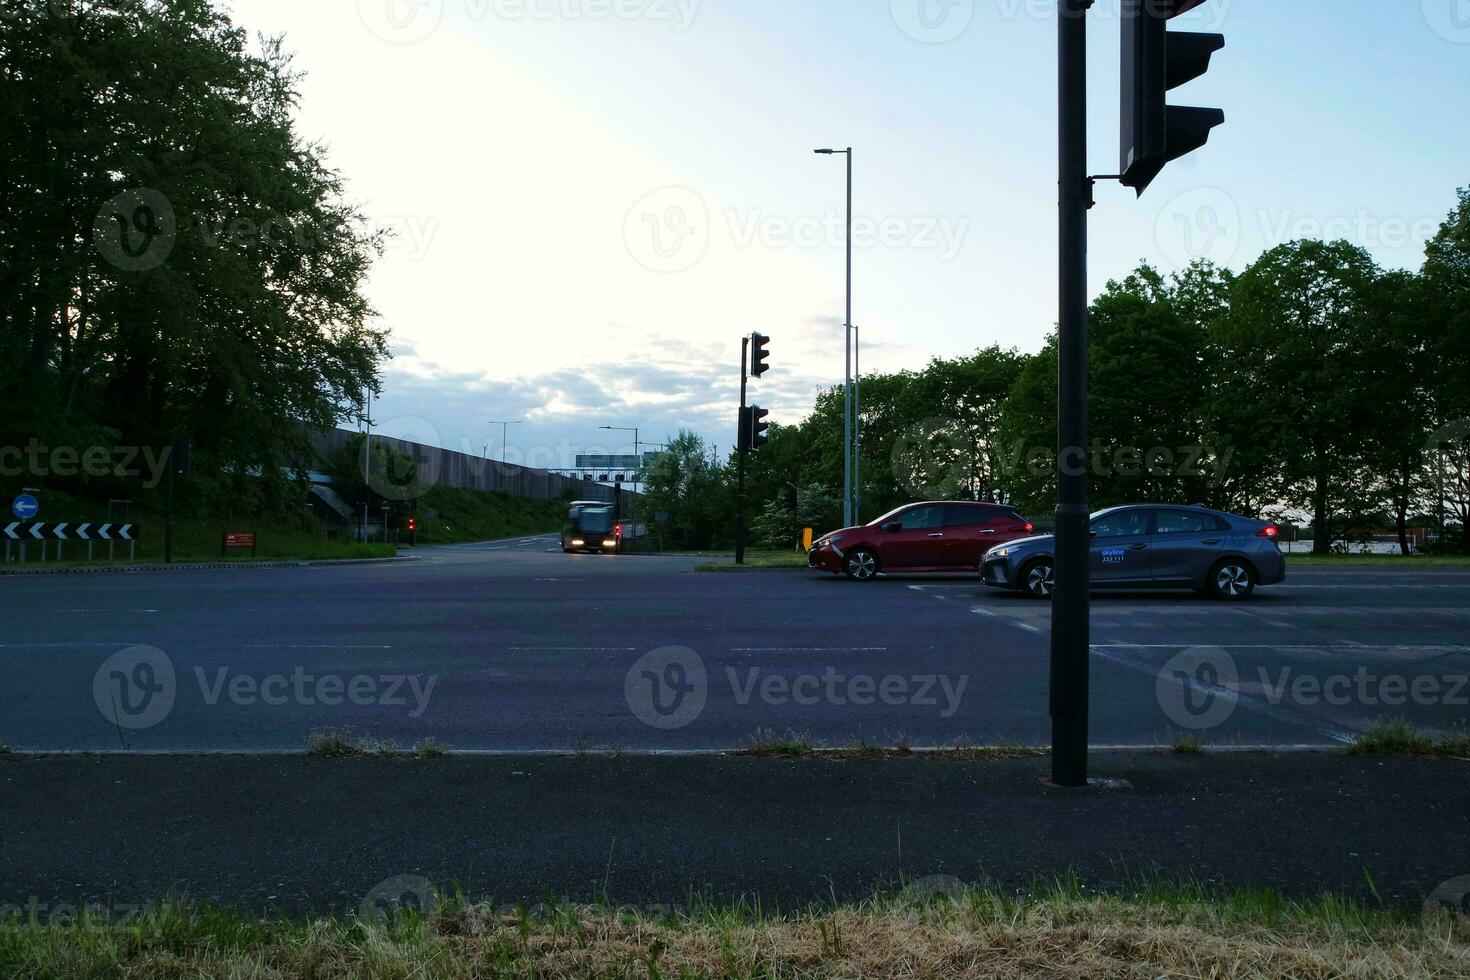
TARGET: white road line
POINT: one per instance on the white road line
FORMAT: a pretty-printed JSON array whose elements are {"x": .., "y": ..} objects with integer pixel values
[
  {"x": 572, "y": 649},
  {"x": 99, "y": 610},
  {"x": 312, "y": 646},
  {"x": 1005, "y": 619},
  {"x": 808, "y": 649}
]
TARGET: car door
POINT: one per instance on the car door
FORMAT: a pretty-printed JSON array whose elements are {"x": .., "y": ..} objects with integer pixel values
[
  {"x": 970, "y": 530},
  {"x": 919, "y": 543},
  {"x": 1121, "y": 545},
  {"x": 1185, "y": 544}
]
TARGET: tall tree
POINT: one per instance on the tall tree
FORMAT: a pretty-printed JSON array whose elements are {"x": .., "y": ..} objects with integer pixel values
[
  {"x": 1446, "y": 281},
  {"x": 1294, "y": 371},
  {"x": 174, "y": 258}
]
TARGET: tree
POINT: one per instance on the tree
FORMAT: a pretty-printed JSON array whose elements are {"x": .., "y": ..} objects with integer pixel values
[
  {"x": 687, "y": 485},
  {"x": 174, "y": 258},
  {"x": 1446, "y": 279},
  {"x": 1294, "y": 367}
]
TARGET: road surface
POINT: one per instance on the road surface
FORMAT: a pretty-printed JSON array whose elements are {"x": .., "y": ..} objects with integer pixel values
[{"x": 515, "y": 646}]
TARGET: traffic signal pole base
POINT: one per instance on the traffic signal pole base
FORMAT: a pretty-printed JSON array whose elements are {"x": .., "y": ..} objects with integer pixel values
[{"x": 1096, "y": 782}]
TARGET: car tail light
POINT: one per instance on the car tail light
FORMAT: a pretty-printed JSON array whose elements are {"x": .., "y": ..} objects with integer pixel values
[
  {"x": 1028, "y": 526},
  {"x": 1269, "y": 531}
]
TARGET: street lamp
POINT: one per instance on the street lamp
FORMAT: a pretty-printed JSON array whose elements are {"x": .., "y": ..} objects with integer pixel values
[
  {"x": 847, "y": 400},
  {"x": 504, "y": 428}
]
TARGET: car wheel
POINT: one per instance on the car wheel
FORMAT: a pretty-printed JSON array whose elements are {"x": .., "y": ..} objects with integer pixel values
[
  {"x": 860, "y": 565},
  {"x": 1231, "y": 579},
  {"x": 1038, "y": 579}
]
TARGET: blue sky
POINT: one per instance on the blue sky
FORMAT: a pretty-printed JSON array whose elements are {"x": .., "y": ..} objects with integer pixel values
[{"x": 594, "y": 199}]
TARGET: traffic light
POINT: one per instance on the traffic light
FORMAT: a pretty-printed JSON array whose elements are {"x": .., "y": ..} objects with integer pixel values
[
  {"x": 759, "y": 354},
  {"x": 753, "y": 429},
  {"x": 1156, "y": 60},
  {"x": 413, "y": 524}
]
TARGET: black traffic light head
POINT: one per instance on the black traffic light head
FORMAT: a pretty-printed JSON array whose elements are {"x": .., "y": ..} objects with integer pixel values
[
  {"x": 753, "y": 428},
  {"x": 1156, "y": 60},
  {"x": 759, "y": 354}
]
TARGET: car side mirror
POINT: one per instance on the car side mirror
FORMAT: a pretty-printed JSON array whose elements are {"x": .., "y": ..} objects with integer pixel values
[{"x": 892, "y": 526}]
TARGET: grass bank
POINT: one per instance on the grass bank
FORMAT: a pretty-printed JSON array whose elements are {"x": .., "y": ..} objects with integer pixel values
[
  {"x": 1371, "y": 561},
  {"x": 450, "y": 515},
  {"x": 756, "y": 560},
  {"x": 935, "y": 927}
]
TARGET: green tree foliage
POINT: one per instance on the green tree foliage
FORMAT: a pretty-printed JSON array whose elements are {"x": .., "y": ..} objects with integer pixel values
[
  {"x": 1446, "y": 298},
  {"x": 174, "y": 257},
  {"x": 686, "y": 483},
  {"x": 778, "y": 526}
]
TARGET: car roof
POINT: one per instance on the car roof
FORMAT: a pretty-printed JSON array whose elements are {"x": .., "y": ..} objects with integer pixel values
[{"x": 1146, "y": 506}]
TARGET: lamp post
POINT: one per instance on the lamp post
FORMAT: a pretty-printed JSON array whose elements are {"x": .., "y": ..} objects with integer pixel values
[
  {"x": 847, "y": 448},
  {"x": 504, "y": 430},
  {"x": 857, "y": 425}
]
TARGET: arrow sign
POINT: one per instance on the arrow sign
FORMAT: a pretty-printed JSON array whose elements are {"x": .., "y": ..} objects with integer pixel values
[
  {"x": 36, "y": 530},
  {"x": 10, "y": 531},
  {"x": 82, "y": 531},
  {"x": 59, "y": 531},
  {"x": 102, "y": 532},
  {"x": 127, "y": 532}
]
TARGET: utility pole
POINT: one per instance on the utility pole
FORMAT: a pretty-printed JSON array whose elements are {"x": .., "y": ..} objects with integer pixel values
[
  {"x": 1070, "y": 626},
  {"x": 742, "y": 449}
]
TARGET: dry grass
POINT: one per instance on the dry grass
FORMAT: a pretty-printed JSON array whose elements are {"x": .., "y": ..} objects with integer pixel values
[{"x": 975, "y": 934}]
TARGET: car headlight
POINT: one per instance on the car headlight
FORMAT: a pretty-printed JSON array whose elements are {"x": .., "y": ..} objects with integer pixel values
[{"x": 998, "y": 553}]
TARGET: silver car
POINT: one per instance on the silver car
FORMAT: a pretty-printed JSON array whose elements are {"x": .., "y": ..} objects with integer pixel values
[{"x": 1152, "y": 546}]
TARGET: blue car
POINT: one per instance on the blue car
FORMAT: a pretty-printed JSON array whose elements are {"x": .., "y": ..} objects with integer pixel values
[{"x": 1154, "y": 546}]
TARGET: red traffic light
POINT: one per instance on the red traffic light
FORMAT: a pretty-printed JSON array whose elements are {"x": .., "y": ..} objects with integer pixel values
[{"x": 413, "y": 523}]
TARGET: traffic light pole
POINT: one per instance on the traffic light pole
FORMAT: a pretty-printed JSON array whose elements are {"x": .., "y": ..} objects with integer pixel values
[
  {"x": 741, "y": 450},
  {"x": 1070, "y": 646}
]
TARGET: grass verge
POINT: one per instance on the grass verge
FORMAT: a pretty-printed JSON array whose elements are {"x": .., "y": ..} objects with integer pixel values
[
  {"x": 1399, "y": 737},
  {"x": 935, "y": 927},
  {"x": 765, "y": 743},
  {"x": 755, "y": 561},
  {"x": 1356, "y": 561},
  {"x": 339, "y": 743}
]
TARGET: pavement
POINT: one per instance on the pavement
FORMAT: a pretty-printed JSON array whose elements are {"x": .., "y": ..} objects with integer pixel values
[
  {"x": 514, "y": 646},
  {"x": 298, "y": 834}
]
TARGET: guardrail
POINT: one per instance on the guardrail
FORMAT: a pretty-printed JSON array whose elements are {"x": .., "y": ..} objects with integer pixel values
[{"x": 26, "y": 533}]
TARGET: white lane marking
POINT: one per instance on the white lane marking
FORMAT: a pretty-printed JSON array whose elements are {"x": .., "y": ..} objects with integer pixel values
[
  {"x": 808, "y": 649},
  {"x": 100, "y": 610},
  {"x": 1005, "y": 619},
  {"x": 573, "y": 649},
  {"x": 1235, "y": 697},
  {"x": 315, "y": 646}
]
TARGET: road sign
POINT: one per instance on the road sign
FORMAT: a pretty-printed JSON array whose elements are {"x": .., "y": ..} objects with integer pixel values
[
  {"x": 12, "y": 531},
  {"x": 38, "y": 530},
  {"x": 25, "y": 506}
]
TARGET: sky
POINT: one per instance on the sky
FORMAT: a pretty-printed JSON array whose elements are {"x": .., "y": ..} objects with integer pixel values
[{"x": 592, "y": 201}]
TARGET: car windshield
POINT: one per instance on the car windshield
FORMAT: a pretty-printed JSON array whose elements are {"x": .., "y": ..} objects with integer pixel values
[
  {"x": 892, "y": 515},
  {"x": 593, "y": 520}
]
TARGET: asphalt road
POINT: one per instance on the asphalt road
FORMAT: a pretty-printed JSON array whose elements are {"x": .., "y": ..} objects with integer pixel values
[
  {"x": 299, "y": 834},
  {"x": 515, "y": 646}
]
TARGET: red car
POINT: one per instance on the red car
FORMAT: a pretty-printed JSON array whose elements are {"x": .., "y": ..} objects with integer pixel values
[{"x": 950, "y": 536}]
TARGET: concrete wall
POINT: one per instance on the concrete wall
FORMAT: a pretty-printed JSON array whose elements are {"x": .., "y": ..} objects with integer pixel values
[{"x": 446, "y": 468}]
